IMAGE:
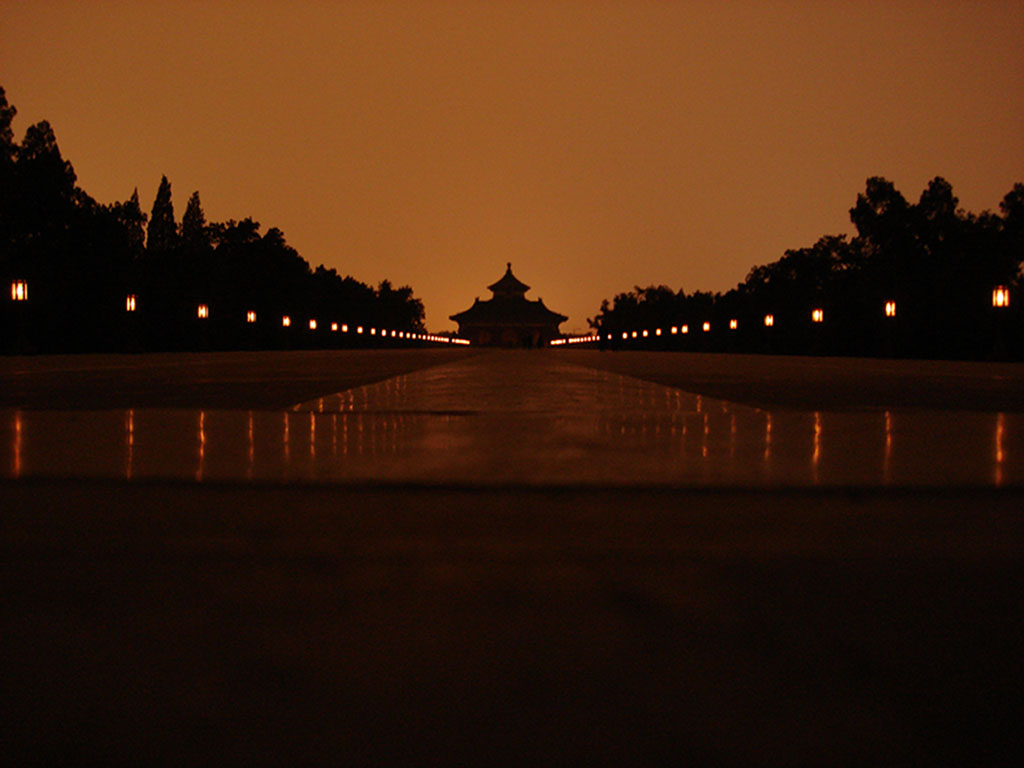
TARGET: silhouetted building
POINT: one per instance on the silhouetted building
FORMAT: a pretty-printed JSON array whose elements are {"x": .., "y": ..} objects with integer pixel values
[{"x": 509, "y": 319}]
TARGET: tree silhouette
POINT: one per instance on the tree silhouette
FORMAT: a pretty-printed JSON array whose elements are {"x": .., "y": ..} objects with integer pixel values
[
  {"x": 937, "y": 263},
  {"x": 194, "y": 232},
  {"x": 162, "y": 235}
]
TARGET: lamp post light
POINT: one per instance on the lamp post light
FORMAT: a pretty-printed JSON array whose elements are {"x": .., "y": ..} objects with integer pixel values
[
  {"x": 286, "y": 321},
  {"x": 890, "y": 309},
  {"x": 818, "y": 315},
  {"x": 202, "y": 311},
  {"x": 706, "y": 327},
  {"x": 733, "y": 324},
  {"x": 312, "y": 325},
  {"x": 129, "y": 303},
  {"x": 1000, "y": 303},
  {"x": 769, "y": 321},
  {"x": 19, "y": 290},
  {"x": 250, "y": 316}
]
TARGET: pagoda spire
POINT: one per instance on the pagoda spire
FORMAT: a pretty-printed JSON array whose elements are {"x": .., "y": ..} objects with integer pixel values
[{"x": 508, "y": 286}]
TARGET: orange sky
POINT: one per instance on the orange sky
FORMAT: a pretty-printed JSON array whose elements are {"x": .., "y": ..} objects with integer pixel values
[{"x": 594, "y": 145}]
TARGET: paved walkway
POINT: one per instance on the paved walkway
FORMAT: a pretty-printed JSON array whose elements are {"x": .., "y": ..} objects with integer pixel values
[
  {"x": 522, "y": 419},
  {"x": 507, "y": 559}
]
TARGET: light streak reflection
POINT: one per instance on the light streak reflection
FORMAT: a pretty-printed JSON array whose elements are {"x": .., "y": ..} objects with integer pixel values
[
  {"x": 251, "y": 453},
  {"x": 1000, "y": 455},
  {"x": 17, "y": 444},
  {"x": 130, "y": 443},
  {"x": 312, "y": 435},
  {"x": 816, "y": 456},
  {"x": 286, "y": 442},
  {"x": 887, "y": 465},
  {"x": 202, "y": 447}
]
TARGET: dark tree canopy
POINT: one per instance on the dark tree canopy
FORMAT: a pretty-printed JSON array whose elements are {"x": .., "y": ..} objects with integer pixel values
[
  {"x": 935, "y": 262},
  {"x": 83, "y": 260}
]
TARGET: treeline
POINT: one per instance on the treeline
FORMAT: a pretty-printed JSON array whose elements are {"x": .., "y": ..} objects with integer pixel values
[
  {"x": 934, "y": 264},
  {"x": 80, "y": 262}
]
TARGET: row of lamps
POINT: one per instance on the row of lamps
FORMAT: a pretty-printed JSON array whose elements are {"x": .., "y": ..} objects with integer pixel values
[
  {"x": 1000, "y": 299},
  {"x": 19, "y": 292}
]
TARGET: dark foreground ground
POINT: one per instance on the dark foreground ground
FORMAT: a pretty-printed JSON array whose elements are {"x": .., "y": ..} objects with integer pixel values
[
  {"x": 175, "y": 624},
  {"x": 179, "y": 623}
]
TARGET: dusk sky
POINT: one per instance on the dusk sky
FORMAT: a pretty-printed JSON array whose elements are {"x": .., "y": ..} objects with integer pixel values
[{"x": 595, "y": 145}]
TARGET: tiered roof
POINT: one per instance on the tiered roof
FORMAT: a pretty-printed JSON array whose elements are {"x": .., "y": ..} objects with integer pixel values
[{"x": 508, "y": 306}]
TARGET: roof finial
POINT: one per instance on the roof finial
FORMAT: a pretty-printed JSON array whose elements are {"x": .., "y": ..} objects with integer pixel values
[{"x": 509, "y": 265}]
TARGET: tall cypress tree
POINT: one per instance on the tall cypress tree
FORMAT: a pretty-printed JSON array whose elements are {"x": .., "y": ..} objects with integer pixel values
[
  {"x": 8, "y": 150},
  {"x": 162, "y": 234},
  {"x": 7, "y": 145},
  {"x": 194, "y": 232},
  {"x": 134, "y": 220}
]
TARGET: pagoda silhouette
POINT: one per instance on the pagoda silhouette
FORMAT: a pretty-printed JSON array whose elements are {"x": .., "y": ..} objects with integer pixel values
[{"x": 508, "y": 318}]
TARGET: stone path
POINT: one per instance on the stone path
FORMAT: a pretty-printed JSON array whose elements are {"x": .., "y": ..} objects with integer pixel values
[{"x": 512, "y": 418}]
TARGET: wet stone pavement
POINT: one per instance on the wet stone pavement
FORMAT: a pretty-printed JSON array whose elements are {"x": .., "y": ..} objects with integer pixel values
[
  {"x": 522, "y": 419},
  {"x": 509, "y": 559}
]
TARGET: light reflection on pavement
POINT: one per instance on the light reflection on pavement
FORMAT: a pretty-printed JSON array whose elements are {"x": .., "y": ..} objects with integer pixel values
[{"x": 521, "y": 419}]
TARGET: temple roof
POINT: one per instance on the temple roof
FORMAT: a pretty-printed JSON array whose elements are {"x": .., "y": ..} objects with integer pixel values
[
  {"x": 508, "y": 285},
  {"x": 508, "y": 310},
  {"x": 509, "y": 307}
]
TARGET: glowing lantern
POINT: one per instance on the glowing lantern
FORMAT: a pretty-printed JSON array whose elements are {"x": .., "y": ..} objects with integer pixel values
[
  {"x": 1000, "y": 296},
  {"x": 334, "y": 327},
  {"x": 685, "y": 329},
  {"x": 19, "y": 290},
  {"x": 202, "y": 311},
  {"x": 634, "y": 334},
  {"x": 129, "y": 303},
  {"x": 645, "y": 334},
  {"x": 286, "y": 321},
  {"x": 359, "y": 329},
  {"x": 890, "y": 309},
  {"x": 733, "y": 324},
  {"x": 706, "y": 327},
  {"x": 675, "y": 330},
  {"x": 250, "y": 316},
  {"x": 344, "y": 328},
  {"x": 312, "y": 325},
  {"x": 818, "y": 315},
  {"x": 625, "y": 335},
  {"x": 769, "y": 321}
]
